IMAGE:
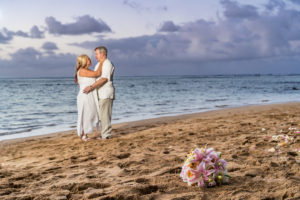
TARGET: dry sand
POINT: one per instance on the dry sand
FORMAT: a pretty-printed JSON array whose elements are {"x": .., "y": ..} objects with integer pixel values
[{"x": 144, "y": 159}]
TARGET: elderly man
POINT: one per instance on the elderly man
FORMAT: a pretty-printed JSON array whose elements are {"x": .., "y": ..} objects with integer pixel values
[{"x": 105, "y": 90}]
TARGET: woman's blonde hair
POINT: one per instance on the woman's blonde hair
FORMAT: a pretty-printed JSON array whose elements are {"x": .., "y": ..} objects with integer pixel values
[{"x": 81, "y": 62}]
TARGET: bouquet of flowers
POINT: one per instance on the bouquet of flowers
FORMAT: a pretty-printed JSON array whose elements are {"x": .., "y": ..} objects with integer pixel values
[{"x": 204, "y": 167}]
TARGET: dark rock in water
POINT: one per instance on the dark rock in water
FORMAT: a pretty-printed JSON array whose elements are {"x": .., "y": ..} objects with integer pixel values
[{"x": 294, "y": 88}]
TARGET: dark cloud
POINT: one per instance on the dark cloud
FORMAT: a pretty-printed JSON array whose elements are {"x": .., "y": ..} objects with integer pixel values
[
  {"x": 36, "y": 33},
  {"x": 152, "y": 48},
  {"x": 49, "y": 46},
  {"x": 82, "y": 25},
  {"x": 26, "y": 55},
  {"x": 30, "y": 62},
  {"x": 7, "y": 35},
  {"x": 234, "y": 10},
  {"x": 274, "y": 4},
  {"x": 33, "y": 33},
  {"x": 295, "y": 1},
  {"x": 168, "y": 26},
  {"x": 20, "y": 33}
]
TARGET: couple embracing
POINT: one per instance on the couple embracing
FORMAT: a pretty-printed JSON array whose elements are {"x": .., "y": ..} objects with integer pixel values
[{"x": 96, "y": 94}]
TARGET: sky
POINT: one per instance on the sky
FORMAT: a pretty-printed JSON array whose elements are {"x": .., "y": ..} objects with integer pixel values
[{"x": 147, "y": 37}]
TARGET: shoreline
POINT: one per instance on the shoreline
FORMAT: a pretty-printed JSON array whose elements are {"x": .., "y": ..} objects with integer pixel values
[{"x": 143, "y": 122}]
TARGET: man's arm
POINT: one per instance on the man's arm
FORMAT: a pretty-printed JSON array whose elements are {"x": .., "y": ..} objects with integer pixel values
[
  {"x": 104, "y": 78},
  {"x": 100, "y": 82},
  {"x": 97, "y": 84}
]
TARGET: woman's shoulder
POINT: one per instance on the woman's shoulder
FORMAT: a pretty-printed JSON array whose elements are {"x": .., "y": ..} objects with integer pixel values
[{"x": 83, "y": 71}]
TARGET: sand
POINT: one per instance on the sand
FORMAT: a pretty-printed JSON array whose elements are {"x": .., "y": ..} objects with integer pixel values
[{"x": 144, "y": 159}]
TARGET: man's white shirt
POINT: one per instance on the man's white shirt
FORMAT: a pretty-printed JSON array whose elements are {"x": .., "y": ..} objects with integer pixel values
[{"x": 107, "y": 90}]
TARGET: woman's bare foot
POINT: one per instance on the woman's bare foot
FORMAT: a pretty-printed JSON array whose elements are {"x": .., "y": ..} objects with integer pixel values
[{"x": 85, "y": 138}]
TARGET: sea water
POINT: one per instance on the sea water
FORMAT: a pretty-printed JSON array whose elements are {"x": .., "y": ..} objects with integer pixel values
[{"x": 46, "y": 105}]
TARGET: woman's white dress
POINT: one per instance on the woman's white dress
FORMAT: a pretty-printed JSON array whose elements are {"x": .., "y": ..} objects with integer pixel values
[{"x": 87, "y": 106}]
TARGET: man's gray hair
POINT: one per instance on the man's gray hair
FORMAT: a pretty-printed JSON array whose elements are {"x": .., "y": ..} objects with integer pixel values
[{"x": 102, "y": 49}]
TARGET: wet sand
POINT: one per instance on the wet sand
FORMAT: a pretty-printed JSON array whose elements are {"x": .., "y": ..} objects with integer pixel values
[{"x": 144, "y": 159}]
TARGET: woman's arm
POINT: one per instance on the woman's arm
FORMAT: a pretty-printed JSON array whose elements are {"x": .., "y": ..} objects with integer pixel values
[{"x": 90, "y": 73}]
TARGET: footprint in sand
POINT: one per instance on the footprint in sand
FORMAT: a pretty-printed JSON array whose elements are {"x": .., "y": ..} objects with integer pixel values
[
  {"x": 142, "y": 180},
  {"x": 84, "y": 159},
  {"x": 123, "y": 155},
  {"x": 126, "y": 164},
  {"x": 148, "y": 189},
  {"x": 52, "y": 158}
]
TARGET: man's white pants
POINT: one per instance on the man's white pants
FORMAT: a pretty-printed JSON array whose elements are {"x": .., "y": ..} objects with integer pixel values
[{"x": 105, "y": 108}]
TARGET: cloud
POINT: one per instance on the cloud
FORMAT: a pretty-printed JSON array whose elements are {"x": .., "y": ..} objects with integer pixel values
[
  {"x": 152, "y": 48},
  {"x": 266, "y": 35},
  {"x": 33, "y": 33},
  {"x": 83, "y": 25},
  {"x": 234, "y": 10},
  {"x": 168, "y": 26},
  {"x": 250, "y": 42},
  {"x": 25, "y": 55},
  {"x": 7, "y": 35},
  {"x": 295, "y": 1},
  {"x": 273, "y": 4},
  {"x": 132, "y": 4},
  {"x": 49, "y": 46},
  {"x": 20, "y": 33},
  {"x": 138, "y": 7},
  {"x": 242, "y": 34},
  {"x": 30, "y": 62},
  {"x": 135, "y": 5},
  {"x": 36, "y": 33}
]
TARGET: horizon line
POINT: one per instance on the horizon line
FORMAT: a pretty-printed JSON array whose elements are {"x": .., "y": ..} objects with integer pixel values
[{"x": 244, "y": 74}]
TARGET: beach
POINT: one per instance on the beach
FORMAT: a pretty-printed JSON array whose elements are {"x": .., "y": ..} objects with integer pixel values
[{"x": 144, "y": 159}]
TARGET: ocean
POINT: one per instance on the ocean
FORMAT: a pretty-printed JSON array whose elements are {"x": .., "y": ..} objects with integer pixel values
[{"x": 38, "y": 106}]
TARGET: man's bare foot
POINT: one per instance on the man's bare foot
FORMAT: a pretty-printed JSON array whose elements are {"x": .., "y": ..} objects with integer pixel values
[
  {"x": 98, "y": 138},
  {"x": 107, "y": 138}
]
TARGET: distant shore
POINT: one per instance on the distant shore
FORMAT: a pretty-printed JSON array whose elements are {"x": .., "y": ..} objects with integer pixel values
[{"x": 144, "y": 158}]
